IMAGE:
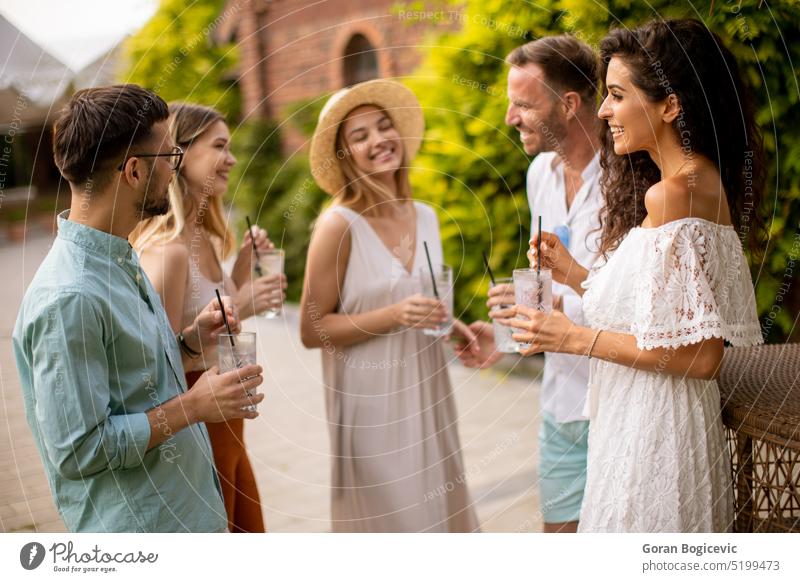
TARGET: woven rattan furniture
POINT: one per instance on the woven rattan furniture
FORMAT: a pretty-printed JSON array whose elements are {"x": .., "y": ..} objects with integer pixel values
[{"x": 760, "y": 389}]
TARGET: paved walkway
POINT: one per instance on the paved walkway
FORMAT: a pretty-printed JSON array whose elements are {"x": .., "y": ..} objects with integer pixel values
[{"x": 288, "y": 443}]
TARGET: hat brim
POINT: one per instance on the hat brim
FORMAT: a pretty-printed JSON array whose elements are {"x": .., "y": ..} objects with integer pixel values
[{"x": 397, "y": 100}]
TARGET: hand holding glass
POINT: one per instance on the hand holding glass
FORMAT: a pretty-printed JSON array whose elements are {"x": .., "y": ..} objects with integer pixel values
[
  {"x": 236, "y": 354},
  {"x": 534, "y": 288},
  {"x": 443, "y": 275},
  {"x": 270, "y": 263}
]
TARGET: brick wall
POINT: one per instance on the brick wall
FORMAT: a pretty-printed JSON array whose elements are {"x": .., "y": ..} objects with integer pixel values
[{"x": 293, "y": 50}]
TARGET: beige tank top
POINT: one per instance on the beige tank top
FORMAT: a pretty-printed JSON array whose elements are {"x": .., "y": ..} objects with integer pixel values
[{"x": 200, "y": 290}]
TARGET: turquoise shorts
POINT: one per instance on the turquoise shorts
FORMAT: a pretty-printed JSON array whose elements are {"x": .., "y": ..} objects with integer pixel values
[{"x": 562, "y": 468}]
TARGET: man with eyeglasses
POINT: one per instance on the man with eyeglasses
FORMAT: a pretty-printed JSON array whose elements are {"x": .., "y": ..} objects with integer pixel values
[
  {"x": 552, "y": 92},
  {"x": 122, "y": 440},
  {"x": 175, "y": 158}
]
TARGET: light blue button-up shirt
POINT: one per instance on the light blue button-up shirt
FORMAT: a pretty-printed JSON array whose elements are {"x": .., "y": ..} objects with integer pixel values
[{"x": 95, "y": 351}]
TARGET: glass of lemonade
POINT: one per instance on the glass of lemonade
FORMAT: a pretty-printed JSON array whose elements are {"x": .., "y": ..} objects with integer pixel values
[
  {"x": 443, "y": 275},
  {"x": 241, "y": 353},
  {"x": 502, "y": 333},
  {"x": 271, "y": 263},
  {"x": 534, "y": 288}
]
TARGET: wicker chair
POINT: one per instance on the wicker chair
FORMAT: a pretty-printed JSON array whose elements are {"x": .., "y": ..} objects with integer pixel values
[{"x": 760, "y": 389}]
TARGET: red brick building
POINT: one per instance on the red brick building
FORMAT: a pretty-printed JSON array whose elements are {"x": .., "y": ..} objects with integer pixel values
[{"x": 295, "y": 50}]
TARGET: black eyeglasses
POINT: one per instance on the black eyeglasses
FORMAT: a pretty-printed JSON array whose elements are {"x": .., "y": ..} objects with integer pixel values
[{"x": 175, "y": 158}]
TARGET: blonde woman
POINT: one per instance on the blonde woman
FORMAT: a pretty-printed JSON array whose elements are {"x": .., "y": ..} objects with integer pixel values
[
  {"x": 397, "y": 463},
  {"x": 182, "y": 253}
]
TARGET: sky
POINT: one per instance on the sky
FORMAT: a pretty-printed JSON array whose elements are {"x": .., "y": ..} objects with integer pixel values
[{"x": 77, "y": 31}]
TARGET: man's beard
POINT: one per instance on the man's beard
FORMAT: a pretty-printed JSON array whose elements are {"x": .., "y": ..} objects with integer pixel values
[
  {"x": 152, "y": 206},
  {"x": 552, "y": 133}
]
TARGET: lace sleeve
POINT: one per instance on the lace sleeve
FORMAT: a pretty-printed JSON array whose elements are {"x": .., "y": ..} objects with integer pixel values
[{"x": 695, "y": 286}]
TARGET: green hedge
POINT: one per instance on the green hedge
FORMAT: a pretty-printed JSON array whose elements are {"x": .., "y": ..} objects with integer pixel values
[
  {"x": 277, "y": 193},
  {"x": 173, "y": 55}
]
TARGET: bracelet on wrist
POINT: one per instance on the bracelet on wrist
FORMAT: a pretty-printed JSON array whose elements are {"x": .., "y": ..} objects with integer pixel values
[
  {"x": 594, "y": 341},
  {"x": 185, "y": 347}
]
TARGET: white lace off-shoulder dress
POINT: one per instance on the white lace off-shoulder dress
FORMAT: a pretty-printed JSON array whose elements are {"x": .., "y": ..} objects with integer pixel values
[{"x": 657, "y": 455}]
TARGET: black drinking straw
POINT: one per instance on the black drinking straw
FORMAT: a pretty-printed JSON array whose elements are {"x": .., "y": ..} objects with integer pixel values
[
  {"x": 539, "y": 286},
  {"x": 255, "y": 250},
  {"x": 430, "y": 267},
  {"x": 539, "y": 248},
  {"x": 225, "y": 318},
  {"x": 488, "y": 268}
]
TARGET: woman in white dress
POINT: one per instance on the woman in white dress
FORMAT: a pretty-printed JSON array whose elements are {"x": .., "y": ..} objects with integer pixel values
[
  {"x": 397, "y": 463},
  {"x": 682, "y": 163}
]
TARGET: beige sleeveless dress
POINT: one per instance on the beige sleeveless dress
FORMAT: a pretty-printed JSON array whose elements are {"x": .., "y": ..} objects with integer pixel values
[{"x": 397, "y": 463}]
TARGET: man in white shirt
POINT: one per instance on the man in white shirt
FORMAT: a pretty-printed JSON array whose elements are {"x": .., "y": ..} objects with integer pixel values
[{"x": 552, "y": 92}]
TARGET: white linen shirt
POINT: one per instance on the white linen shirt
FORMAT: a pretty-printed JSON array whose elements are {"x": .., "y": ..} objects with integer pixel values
[{"x": 566, "y": 377}]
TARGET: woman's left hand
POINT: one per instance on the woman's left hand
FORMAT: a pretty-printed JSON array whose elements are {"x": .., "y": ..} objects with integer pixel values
[
  {"x": 263, "y": 244},
  {"x": 257, "y": 295},
  {"x": 244, "y": 261},
  {"x": 543, "y": 332},
  {"x": 201, "y": 335}
]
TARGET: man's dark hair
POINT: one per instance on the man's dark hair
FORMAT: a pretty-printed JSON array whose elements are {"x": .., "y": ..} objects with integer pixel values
[
  {"x": 99, "y": 126},
  {"x": 568, "y": 64}
]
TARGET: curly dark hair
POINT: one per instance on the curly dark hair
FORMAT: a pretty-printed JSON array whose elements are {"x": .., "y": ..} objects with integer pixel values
[{"x": 684, "y": 57}]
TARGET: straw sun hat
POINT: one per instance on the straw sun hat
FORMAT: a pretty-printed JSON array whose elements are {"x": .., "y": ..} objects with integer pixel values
[{"x": 399, "y": 102}]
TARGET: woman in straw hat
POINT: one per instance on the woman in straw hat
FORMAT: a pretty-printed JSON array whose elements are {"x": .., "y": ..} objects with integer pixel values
[
  {"x": 396, "y": 454},
  {"x": 181, "y": 253}
]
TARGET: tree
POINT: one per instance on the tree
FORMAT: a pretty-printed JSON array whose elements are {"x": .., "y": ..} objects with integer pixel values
[
  {"x": 174, "y": 56},
  {"x": 277, "y": 193}
]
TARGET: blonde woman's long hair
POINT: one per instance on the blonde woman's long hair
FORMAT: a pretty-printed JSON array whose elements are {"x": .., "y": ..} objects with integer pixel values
[
  {"x": 361, "y": 189},
  {"x": 187, "y": 122}
]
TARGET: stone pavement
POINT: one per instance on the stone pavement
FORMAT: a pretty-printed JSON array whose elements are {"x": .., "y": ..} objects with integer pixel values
[{"x": 288, "y": 443}]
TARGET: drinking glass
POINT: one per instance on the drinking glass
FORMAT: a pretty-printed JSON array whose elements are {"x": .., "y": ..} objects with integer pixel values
[
  {"x": 502, "y": 333},
  {"x": 236, "y": 354},
  {"x": 443, "y": 275},
  {"x": 534, "y": 288},
  {"x": 270, "y": 263}
]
